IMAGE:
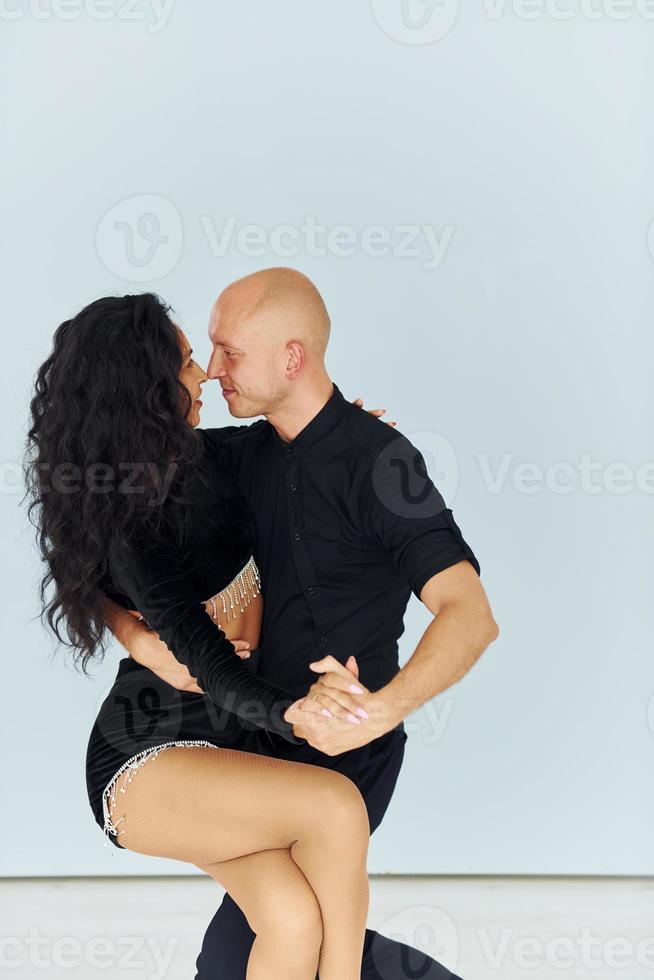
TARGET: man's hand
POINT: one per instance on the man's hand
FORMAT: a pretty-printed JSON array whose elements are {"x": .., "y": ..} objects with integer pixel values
[
  {"x": 330, "y": 729},
  {"x": 377, "y": 412}
]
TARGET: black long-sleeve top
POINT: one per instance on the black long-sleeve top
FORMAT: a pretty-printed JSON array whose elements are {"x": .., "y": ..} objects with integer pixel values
[{"x": 168, "y": 576}]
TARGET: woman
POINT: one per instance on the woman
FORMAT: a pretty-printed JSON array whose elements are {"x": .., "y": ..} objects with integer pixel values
[{"x": 131, "y": 505}]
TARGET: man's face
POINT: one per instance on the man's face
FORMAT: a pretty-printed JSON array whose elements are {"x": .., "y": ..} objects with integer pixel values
[{"x": 250, "y": 367}]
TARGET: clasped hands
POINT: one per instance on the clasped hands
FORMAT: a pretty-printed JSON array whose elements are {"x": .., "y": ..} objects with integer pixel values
[
  {"x": 338, "y": 713},
  {"x": 332, "y": 717}
]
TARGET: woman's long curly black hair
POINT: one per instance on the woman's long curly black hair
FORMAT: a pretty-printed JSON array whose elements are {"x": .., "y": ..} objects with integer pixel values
[{"x": 108, "y": 423}]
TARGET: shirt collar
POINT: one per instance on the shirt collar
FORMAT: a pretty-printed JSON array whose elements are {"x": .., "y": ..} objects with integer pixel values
[{"x": 327, "y": 418}]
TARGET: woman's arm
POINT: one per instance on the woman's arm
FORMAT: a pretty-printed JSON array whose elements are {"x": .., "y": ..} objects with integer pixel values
[
  {"x": 150, "y": 572},
  {"x": 146, "y": 647},
  {"x": 226, "y": 443}
]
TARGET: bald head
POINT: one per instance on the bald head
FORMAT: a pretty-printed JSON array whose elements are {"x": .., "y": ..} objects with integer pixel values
[
  {"x": 269, "y": 333},
  {"x": 280, "y": 305}
]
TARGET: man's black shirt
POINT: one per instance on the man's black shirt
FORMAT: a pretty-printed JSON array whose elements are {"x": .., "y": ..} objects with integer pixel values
[{"x": 347, "y": 524}]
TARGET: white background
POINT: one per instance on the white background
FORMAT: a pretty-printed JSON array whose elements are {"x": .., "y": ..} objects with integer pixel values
[{"x": 526, "y": 146}]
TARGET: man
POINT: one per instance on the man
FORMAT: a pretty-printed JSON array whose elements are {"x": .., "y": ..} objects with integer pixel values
[{"x": 348, "y": 524}]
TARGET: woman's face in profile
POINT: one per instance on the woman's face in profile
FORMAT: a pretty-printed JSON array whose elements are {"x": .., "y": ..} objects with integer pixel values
[{"x": 191, "y": 376}]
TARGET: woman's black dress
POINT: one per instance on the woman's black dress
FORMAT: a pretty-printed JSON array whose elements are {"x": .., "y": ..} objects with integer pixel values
[{"x": 168, "y": 577}]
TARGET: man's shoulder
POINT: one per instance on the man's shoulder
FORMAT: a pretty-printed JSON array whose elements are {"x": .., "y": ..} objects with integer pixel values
[{"x": 371, "y": 437}]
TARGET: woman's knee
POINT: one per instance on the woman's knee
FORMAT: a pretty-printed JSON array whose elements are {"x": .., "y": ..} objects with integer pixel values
[
  {"x": 292, "y": 918},
  {"x": 342, "y": 807},
  {"x": 274, "y": 895},
  {"x": 346, "y": 800}
]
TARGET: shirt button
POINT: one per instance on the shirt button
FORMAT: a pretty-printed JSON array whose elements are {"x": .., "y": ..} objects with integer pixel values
[
  {"x": 293, "y": 487},
  {"x": 289, "y": 449},
  {"x": 324, "y": 639},
  {"x": 311, "y": 590},
  {"x": 297, "y": 536}
]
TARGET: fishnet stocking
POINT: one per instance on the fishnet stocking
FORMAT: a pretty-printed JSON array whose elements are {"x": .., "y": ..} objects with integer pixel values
[{"x": 287, "y": 840}]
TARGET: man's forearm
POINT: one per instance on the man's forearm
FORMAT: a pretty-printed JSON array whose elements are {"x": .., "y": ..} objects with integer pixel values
[{"x": 449, "y": 647}]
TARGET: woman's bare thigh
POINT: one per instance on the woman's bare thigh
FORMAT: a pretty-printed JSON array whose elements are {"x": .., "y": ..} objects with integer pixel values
[{"x": 207, "y": 805}]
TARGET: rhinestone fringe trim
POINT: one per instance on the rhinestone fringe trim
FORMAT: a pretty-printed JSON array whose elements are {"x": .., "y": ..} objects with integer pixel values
[
  {"x": 239, "y": 593},
  {"x": 130, "y": 767}
]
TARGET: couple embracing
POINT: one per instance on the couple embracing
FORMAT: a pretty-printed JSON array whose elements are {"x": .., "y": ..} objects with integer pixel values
[{"x": 255, "y": 729}]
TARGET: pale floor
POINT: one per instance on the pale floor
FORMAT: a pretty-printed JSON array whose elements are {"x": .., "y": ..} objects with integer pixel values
[{"x": 483, "y": 928}]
